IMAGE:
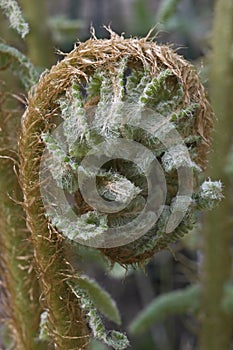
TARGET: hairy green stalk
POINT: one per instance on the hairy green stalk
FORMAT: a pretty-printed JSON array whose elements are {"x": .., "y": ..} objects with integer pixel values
[
  {"x": 17, "y": 262},
  {"x": 19, "y": 65},
  {"x": 20, "y": 280},
  {"x": 216, "y": 329},
  {"x": 12, "y": 10}
]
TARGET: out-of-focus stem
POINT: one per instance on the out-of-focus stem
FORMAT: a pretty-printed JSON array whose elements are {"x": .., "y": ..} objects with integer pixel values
[
  {"x": 40, "y": 48},
  {"x": 216, "y": 328}
]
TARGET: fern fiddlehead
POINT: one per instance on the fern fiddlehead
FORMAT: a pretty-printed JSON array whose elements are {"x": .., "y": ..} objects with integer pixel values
[{"x": 117, "y": 126}]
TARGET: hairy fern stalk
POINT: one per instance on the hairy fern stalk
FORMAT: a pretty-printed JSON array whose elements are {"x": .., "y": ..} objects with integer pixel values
[
  {"x": 73, "y": 109},
  {"x": 19, "y": 284}
]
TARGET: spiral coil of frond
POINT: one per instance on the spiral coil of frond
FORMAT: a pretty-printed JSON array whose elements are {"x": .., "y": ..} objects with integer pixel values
[{"x": 88, "y": 92}]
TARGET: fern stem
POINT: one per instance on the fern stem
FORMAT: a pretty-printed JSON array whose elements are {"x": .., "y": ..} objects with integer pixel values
[
  {"x": 66, "y": 322},
  {"x": 17, "y": 261}
]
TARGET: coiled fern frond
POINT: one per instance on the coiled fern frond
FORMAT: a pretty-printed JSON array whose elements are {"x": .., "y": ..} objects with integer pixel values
[{"x": 102, "y": 95}]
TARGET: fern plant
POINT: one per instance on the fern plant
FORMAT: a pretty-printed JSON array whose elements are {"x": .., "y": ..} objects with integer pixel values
[
  {"x": 113, "y": 142},
  {"x": 78, "y": 117},
  {"x": 103, "y": 93}
]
